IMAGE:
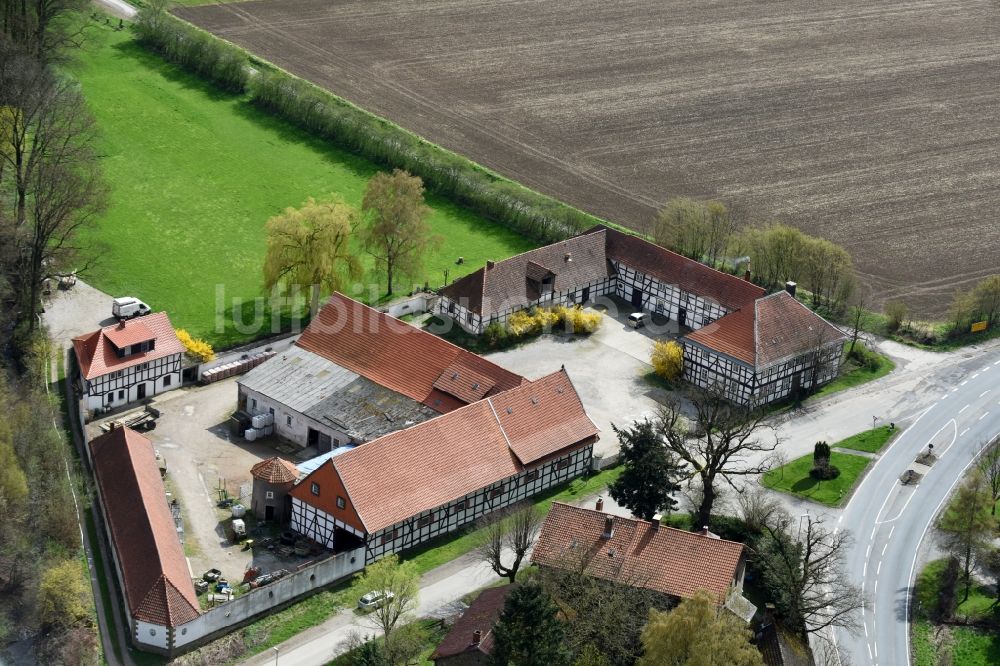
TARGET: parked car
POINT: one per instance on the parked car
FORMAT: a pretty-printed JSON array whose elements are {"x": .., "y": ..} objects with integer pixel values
[
  {"x": 637, "y": 319},
  {"x": 374, "y": 600},
  {"x": 127, "y": 307}
]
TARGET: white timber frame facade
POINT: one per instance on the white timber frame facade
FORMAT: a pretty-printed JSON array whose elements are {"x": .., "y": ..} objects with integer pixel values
[{"x": 120, "y": 387}]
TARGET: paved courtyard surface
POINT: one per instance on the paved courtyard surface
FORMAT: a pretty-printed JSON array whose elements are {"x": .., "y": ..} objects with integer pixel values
[{"x": 608, "y": 369}]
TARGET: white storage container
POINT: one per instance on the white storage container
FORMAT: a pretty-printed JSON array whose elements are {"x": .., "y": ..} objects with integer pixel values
[
  {"x": 239, "y": 511},
  {"x": 268, "y": 419},
  {"x": 268, "y": 430},
  {"x": 258, "y": 421},
  {"x": 251, "y": 434}
]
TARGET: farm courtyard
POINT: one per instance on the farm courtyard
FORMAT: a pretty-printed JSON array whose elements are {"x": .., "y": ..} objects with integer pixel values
[{"x": 874, "y": 125}]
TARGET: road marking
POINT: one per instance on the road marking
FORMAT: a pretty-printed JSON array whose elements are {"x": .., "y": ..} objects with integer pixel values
[
  {"x": 983, "y": 416},
  {"x": 883, "y": 553},
  {"x": 996, "y": 362},
  {"x": 891, "y": 528},
  {"x": 984, "y": 393},
  {"x": 869, "y": 645},
  {"x": 875, "y": 589},
  {"x": 864, "y": 569},
  {"x": 964, "y": 383},
  {"x": 878, "y": 569},
  {"x": 868, "y": 553},
  {"x": 866, "y": 636},
  {"x": 963, "y": 409},
  {"x": 905, "y": 504},
  {"x": 954, "y": 389},
  {"x": 962, "y": 434},
  {"x": 975, "y": 375}
]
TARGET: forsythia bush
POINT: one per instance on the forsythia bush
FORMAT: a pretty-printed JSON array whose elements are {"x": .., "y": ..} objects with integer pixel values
[
  {"x": 572, "y": 320},
  {"x": 197, "y": 348},
  {"x": 667, "y": 359},
  {"x": 580, "y": 322}
]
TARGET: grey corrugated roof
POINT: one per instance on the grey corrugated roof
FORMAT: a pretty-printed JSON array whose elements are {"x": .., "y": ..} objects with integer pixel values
[
  {"x": 309, "y": 466},
  {"x": 365, "y": 410},
  {"x": 298, "y": 379}
]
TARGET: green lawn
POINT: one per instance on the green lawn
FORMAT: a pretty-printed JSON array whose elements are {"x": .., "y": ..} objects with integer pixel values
[
  {"x": 794, "y": 478},
  {"x": 871, "y": 441},
  {"x": 194, "y": 175},
  {"x": 854, "y": 374}
]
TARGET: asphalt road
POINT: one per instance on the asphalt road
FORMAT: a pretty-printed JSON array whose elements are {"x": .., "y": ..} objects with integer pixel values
[{"x": 889, "y": 520}]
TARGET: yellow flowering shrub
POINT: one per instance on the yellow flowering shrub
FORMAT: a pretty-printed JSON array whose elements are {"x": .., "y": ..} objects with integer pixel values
[
  {"x": 667, "y": 359},
  {"x": 197, "y": 348}
]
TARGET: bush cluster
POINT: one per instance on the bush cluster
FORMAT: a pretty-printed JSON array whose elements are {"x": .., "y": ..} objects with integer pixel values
[
  {"x": 866, "y": 358},
  {"x": 822, "y": 469},
  {"x": 225, "y": 65},
  {"x": 667, "y": 359},
  {"x": 528, "y": 323},
  {"x": 197, "y": 348}
]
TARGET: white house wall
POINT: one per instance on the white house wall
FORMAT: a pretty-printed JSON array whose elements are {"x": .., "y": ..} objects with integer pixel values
[
  {"x": 449, "y": 517},
  {"x": 154, "y": 635},
  {"x": 121, "y": 387},
  {"x": 288, "y": 423}
]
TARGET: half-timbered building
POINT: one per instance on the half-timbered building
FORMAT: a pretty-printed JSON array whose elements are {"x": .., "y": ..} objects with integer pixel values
[
  {"x": 599, "y": 262},
  {"x": 412, "y": 485},
  {"x": 773, "y": 349},
  {"x": 356, "y": 374},
  {"x": 128, "y": 362},
  {"x": 153, "y": 576}
]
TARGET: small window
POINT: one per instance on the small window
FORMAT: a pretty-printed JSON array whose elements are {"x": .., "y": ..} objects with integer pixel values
[
  {"x": 468, "y": 317},
  {"x": 314, "y": 488},
  {"x": 253, "y": 403},
  {"x": 271, "y": 410},
  {"x": 167, "y": 380},
  {"x": 118, "y": 373},
  {"x": 451, "y": 307},
  {"x": 458, "y": 507},
  {"x": 111, "y": 397},
  {"x": 269, "y": 494},
  {"x": 496, "y": 492},
  {"x": 425, "y": 520},
  {"x": 562, "y": 464},
  {"x": 531, "y": 476},
  {"x": 341, "y": 502},
  {"x": 288, "y": 420},
  {"x": 121, "y": 395}
]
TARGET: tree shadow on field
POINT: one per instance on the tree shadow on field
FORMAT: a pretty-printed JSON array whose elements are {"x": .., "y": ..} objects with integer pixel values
[{"x": 132, "y": 50}]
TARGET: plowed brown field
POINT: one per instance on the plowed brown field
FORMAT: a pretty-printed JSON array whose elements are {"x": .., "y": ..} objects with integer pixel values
[{"x": 875, "y": 124}]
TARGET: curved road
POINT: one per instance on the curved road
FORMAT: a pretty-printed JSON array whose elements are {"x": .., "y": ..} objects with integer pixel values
[{"x": 889, "y": 520}]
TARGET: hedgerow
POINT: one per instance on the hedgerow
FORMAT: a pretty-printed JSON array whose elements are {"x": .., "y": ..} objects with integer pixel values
[{"x": 225, "y": 65}]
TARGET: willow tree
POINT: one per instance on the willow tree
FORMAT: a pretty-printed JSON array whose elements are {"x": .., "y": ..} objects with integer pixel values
[
  {"x": 310, "y": 247},
  {"x": 396, "y": 232}
]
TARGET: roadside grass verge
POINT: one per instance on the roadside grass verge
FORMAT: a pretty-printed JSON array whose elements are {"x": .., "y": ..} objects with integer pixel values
[
  {"x": 195, "y": 173},
  {"x": 934, "y": 644},
  {"x": 106, "y": 609},
  {"x": 794, "y": 478},
  {"x": 275, "y": 628},
  {"x": 433, "y": 634},
  {"x": 871, "y": 441},
  {"x": 855, "y": 374}
]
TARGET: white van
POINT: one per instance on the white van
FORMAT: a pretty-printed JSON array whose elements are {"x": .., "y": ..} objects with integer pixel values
[
  {"x": 127, "y": 307},
  {"x": 637, "y": 319}
]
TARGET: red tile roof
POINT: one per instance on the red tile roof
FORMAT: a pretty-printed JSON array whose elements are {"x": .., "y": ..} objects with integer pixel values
[
  {"x": 574, "y": 262},
  {"x": 435, "y": 462},
  {"x": 461, "y": 381},
  {"x": 396, "y": 355},
  {"x": 96, "y": 351},
  {"x": 776, "y": 328},
  {"x": 671, "y": 268},
  {"x": 670, "y": 561},
  {"x": 275, "y": 470},
  {"x": 481, "y": 615},
  {"x": 153, "y": 568}
]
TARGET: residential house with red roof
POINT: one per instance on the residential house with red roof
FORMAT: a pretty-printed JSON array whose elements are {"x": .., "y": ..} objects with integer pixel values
[
  {"x": 149, "y": 562},
  {"x": 128, "y": 361},
  {"x": 598, "y": 262},
  {"x": 772, "y": 349},
  {"x": 629, "y": 551},
  {"x": 409, "y": 486},
  {"x": 356, "y": 374},
  {"x": 469, "y": 642}
]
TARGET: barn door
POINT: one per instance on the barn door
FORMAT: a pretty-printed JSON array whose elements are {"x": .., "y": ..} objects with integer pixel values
[{"x": 637, "y": 298}]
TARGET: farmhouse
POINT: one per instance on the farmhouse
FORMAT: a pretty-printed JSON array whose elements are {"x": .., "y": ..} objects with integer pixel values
[
  {"x": 412, "y": 485},
  {"x": 773, "y": 348},
  {"x": 599, "y": 262},
  {"x": 148, "y": 559},
  {"x": 640, "y": 553},
  {"x": 128, "y": 361},
  {"x": 356, "y": 374}
]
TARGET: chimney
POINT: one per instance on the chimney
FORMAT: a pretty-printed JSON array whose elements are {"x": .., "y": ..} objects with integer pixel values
[
  {"x": 609, "y": 527},
  {"x": 655, "y": 523},
  {"x": 704, "y": 531},
  {"x": 790, "y": 287},
  {"x": 490, "y": 264},
  {"x": 569, "y": 257},
  {"x": 746, "y": 274},
  {"x": 112, "y": 425},
  {"x": 600, "y": 504},
  {"x": 477, "y": 636}
]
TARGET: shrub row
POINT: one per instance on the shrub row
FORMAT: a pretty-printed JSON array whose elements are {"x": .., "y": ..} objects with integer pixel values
[
  {"x": 225, "y": 65},
  {"x": 529, "y": 323},
  {"x": 331, "y": 118},
  {"x": 196, "y": 348}
]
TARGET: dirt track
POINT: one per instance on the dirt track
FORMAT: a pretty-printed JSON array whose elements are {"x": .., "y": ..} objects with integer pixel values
[{"x": 874, "y": 124}]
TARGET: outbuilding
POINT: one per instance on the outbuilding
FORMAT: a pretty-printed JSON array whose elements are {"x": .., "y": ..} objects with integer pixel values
[{"x": 272, "y": 479}]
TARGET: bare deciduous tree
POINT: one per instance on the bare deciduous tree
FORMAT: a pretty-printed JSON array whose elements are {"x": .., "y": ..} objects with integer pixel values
[
  {"x": 805, "y": 572},
  {"x": 989, "y": 465},
  {"x": 510, "y": 531},
  {"x": 725, "y": 439}
]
